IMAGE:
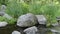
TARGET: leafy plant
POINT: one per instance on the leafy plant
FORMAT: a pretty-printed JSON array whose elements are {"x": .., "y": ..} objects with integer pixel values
[
  {"x": 2, "y": 18},
  {"x": 11, "y": 21}
]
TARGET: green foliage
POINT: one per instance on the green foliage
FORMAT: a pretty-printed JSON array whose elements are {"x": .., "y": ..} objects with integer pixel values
[
  {"x": 3, "y": 2},
  {"x": 11, "y": 21},
  {"x": 50, "y": 12},
  {"x": 13, "y": 8},
  {"x": 16, "y": 9},
  {"x": 35, "y": 8},
  {"x": 2, "y": 18},
  {"x": 49, "y": 8}
]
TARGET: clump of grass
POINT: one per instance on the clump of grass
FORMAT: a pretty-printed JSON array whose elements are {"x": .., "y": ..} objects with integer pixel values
[{"x": 16, "y": 9}]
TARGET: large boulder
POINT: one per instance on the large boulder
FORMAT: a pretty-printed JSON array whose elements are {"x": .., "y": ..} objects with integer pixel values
[
  {"x": 27, "y": 20},
  {"x": 16, "y": 32},
  {"x": 3, "y": 24},
  {"x": 31, "y": 30},
  {"x": 41, "y": 19}
]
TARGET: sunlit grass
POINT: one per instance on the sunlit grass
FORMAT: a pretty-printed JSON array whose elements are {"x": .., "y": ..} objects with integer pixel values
[{"x": 49, "y": 10}]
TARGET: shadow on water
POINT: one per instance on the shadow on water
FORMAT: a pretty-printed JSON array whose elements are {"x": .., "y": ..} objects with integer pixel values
[{"x": 10, "y": 28}]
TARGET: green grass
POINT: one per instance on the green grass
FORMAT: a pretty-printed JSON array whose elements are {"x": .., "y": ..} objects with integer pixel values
[
  {"x": 50, "y": 10},
  {"x": 9, "y": 21}
]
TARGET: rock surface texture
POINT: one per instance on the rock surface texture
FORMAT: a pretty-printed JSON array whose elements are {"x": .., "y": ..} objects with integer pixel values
[
  {"x": 27, "y": 20},
  {"x": 31, "y": 30},
  {"x": 2, "y": 10},
  {"x": 41, "y": 19},
  {"x": 7, "y": 16},
  {"x": 3, "y": 24},
  {"x": 16, "y": 32}
]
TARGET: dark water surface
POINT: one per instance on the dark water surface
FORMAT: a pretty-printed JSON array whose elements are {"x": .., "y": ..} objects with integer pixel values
[{"x": 10, "y": 28}]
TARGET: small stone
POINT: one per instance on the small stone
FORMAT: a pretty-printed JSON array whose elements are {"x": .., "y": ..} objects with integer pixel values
[
  {"x": 2, "y": 13},
  {"x": 3, "y": 24},
  {"x": 54, "y": 30},
  {"x": 16, "y": 32},
  {"x": 7, "y": 16},
  {"x": 2, "y": 10},
  {"x": 3, "y": 7},
  {"x": 31, "y": 30},
  {"x": 41, "y": 19},
  {"x": 55, "y": 24}
]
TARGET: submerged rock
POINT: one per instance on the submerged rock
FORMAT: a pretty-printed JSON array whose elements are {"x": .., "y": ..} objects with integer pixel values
[
  {"x": 42, "y": 31},
  {"x": 41, "y": 19},
  {"x": 16, "y": 32},
  {"x": 31, "y": 30},
  {"x": 55, "y": 24},
  {"x": 27, "y": 20},
  {"x": 55, "y": 29},
  {"x": 3, "y": 24}
]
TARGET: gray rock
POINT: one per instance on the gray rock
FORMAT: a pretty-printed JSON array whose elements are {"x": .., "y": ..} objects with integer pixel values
[
  {"x": 3, "y": 24},
  {"x": 2, "y": 13},
  {"x": 31, "y": 30},
  {"x": 55, "y": 24},
  {"x": 7, "y": 16},
  {"x": 16, "y": 32},
  {"x": 27, "y": 20},
  {"x": 3, "y": 7},
  {"x": 41, "y": 19},
  {"x": 55, "y": 29},
  {"x": 2, "y": 10}
]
